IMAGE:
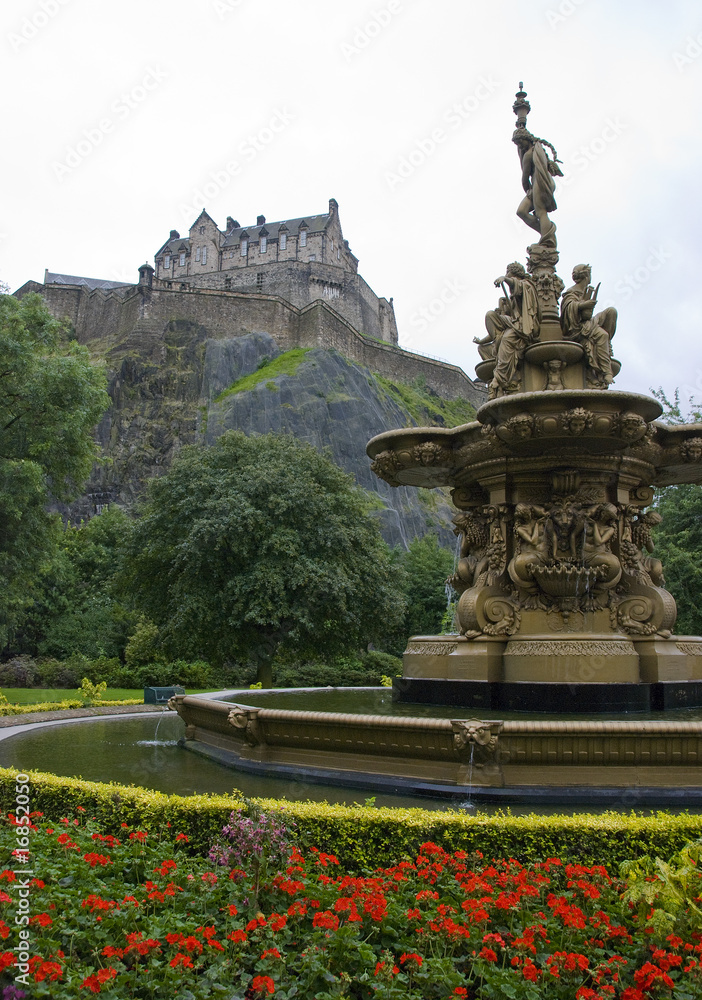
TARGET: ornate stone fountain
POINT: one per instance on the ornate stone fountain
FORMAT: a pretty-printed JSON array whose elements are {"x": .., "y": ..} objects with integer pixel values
[{"x": 562, "y": 606}]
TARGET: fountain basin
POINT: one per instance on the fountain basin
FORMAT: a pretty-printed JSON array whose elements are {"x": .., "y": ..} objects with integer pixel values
[{"x": 513, "y": 760}]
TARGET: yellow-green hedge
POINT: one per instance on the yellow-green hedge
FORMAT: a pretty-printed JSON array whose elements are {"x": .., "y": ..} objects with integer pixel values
[
  {"x": 366, "y": 837},
  {"x": 55, "y": 706}
]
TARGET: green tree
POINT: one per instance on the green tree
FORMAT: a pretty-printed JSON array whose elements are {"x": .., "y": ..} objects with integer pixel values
[
  {"x": 678, "y": 538},
  {"x": 678, "y": 541},
  {"x": 74, "y": 608},
  {"x": 426, "y": 566},
  {"x": 51, "y": 397},
  {"x": 259, "y": 544}
]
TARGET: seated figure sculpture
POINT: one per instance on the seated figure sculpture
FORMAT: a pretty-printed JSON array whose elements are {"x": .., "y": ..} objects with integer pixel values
[
  {"x": 594, "y": 332},
  {"x": 518, "y": 325}
]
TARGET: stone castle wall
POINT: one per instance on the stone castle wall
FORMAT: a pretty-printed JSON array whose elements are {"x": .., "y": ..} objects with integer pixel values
[{"x": 137, "y": 319}]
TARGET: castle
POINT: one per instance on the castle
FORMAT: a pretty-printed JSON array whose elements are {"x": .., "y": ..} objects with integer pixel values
[
  {"x": 300, "y": 260},
  {"x": 296, "y": 280}
]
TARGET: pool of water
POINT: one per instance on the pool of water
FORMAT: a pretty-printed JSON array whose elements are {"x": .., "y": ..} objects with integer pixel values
[
  {"x": 130, "y": 752},
  {"x": 378, "y": 701},
  {"x": 144, "y": 751}
]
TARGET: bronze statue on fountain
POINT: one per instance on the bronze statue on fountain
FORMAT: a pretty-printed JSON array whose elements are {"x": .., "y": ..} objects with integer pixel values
[{"x": 561, "y": 604}]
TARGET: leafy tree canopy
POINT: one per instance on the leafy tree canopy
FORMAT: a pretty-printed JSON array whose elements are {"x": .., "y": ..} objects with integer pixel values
[
  {"x": 426, "y": 566},
  {"x": 51, "y": 397},
  {"x": 259, "y": 544},
  {"x": 678, "y": 538}
]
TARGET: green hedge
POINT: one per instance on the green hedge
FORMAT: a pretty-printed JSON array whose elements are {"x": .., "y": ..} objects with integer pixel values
[
  {"x": 56, "y": 706},
  {"x": 364, "y": 837}
]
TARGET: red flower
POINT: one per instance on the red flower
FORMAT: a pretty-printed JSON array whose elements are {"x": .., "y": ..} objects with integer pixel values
[
  {"x": 97, "y": 859},
  {"x": 181, "y": 959},
  {"x": 109, "y": 951},
  {"x": 48, "y": 970},
  {"x": 238, "y": 937},
  {"x": 413, "y": 956},
  {"x": 326, "y": 918},
  {"x": 139, "y": 835},
  {"x": 182, "y": 836},
  {"x": 460, "y": 991},
  {"x": 273, "y": 952},
  {"x": 43, "y": 919},
  {"x": 488, "y": 954},
  {"x": 529, "y": 971},
  {"x": 263, "y": 983}
]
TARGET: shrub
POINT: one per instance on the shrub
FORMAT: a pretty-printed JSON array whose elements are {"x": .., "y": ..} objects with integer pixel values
[
  {"x": 20, "y": 672},
  {"x": 364, "y": 837},
  {"x": 364, "y": 670},
  {"x": 143, "y": 644},
  {"x": 91, "y": 694}
]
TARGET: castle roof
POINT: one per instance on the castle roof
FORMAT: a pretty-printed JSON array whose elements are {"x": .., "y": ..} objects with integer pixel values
[
  {"x": 174, "y": 246},
  {"x": 72, "y": 279},
  {"x": 313, "y": 224}
]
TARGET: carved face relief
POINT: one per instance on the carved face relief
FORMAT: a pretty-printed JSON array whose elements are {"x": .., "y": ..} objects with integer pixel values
[
  {"x": 691, "y": 450},
  {"x": 632, "y": 426}
]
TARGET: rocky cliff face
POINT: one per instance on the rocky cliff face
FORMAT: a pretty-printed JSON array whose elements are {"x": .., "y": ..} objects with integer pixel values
[{"x": 191, "y": 389}]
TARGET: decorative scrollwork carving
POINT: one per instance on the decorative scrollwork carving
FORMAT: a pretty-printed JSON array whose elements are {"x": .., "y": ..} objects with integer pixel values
[
  {"x": 385, "y": 465},
  {"x": 691, "y": 648},
  {"x": 502, "y": 616},
  {"x": 432, "y": 648},
  {"x": 635, "y": 614}
]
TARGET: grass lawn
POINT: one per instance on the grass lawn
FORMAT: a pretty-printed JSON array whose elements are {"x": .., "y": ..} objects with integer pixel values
[{"x": 32, "y": 696}]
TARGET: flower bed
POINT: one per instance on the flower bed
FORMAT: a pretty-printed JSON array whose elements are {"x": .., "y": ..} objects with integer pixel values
[{"x": 135, "y": 913}]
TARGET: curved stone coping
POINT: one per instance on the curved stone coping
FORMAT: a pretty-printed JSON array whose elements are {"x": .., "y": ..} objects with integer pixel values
[{"x": 393, "y": 722}]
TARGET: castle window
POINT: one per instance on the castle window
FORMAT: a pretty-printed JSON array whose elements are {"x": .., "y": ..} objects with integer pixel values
[
  {"x": 182, "y": 260},
  {"x": 303, "y": 237},
  {"x": 244, "y": 247},
  {"x": 202, "y": 229},
  {"x": 264, "y": 244},
  {"x": 197, "y": 254},
  {"x": 204, "y": 255},
  {"x": 227, "y": 282},
  {"x": 259, "y": 280},
  {"x": 338, "y": 254},
  {"x": 283, "y": 240},
  {"x": 313, "y": 256},
  {"x": 167, "y": 261}
]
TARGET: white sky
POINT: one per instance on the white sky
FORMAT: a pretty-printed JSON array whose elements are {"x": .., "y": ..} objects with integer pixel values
[{"x": 163, "y": 96}]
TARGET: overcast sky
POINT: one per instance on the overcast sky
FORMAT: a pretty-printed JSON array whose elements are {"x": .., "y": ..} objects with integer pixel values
[{"x": 122, "y": 120}]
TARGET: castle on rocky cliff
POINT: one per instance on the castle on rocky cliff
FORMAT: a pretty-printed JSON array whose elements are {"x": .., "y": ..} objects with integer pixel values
[{"x": 295, "y": 280}]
